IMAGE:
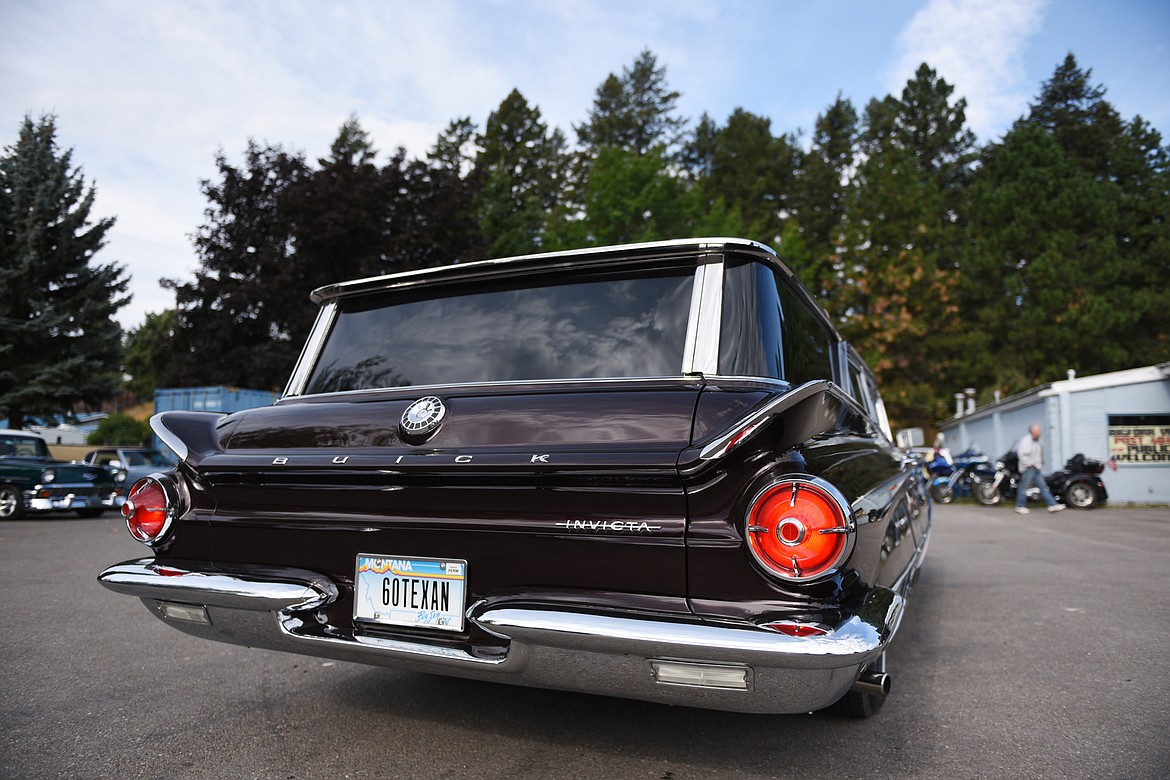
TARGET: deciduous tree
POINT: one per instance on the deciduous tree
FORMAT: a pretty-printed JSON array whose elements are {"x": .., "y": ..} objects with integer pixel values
[
  {"x": 234, "y": 323},
  {"x": 278, "y": 227},
  {"x": 148, "y": 353}
]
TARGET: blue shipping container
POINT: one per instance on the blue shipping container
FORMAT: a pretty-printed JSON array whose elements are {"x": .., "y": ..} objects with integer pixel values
[
  {"x": 211, "y": 399},
  {"x": 208, "y": 399}
]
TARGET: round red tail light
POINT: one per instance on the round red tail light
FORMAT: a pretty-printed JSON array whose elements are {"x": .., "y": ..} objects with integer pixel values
[
  {"x": 799, "y": 528},
  {"x": 150, "y": 507}
]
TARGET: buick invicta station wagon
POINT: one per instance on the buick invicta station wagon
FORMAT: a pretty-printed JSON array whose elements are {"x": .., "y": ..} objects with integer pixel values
[{"x": 651, "y": 471}]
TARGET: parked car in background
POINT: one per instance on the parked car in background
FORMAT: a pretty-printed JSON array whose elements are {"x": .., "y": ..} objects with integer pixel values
[
  {"x": 651, "y": 471},
  {"x": 32, "y": 481},
  {"x": 128, "y": 465}
]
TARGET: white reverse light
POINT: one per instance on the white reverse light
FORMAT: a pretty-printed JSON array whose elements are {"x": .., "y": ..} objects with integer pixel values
[{"x": 731, "y": 677}]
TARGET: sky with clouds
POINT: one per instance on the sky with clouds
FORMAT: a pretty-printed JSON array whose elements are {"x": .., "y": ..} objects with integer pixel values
[{"x": 147, "y": 91}]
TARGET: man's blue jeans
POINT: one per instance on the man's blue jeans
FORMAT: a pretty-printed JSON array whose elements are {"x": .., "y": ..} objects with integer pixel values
[{"x": 1026, "y": 480}]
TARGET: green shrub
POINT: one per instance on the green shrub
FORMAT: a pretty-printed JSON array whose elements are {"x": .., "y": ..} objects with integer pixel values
[{"x": 120, "y": 430}]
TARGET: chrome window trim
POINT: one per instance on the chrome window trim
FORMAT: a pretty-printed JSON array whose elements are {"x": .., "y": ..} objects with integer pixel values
[
  {"x": 844, "y": 379},
  {"x": 312, "y": 350},
  {"x": 701, "y": 348},
  {"x": 766, "y": 381},
  {"x": 421, "y": 390},
  {"x": 869, "y": 396}
]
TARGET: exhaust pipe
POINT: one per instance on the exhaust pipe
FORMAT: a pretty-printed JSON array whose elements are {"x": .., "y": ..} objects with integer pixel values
[{"x": 873, "y": 683}]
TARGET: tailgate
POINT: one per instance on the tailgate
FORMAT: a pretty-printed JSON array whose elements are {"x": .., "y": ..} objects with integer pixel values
[{"x": 565, "y": 497}]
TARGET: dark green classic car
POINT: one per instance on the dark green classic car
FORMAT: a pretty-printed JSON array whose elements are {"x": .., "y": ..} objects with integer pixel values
[{"x": 32, "y": 481}]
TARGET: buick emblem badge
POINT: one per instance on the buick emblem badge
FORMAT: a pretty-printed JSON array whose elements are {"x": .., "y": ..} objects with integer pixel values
[{"x": 422, "y": 418}]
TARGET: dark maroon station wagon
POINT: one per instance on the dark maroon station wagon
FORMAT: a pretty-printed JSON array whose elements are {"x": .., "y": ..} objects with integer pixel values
[{"x": 652, "y": 471}]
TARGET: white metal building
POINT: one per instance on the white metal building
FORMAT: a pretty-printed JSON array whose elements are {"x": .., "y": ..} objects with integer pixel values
[{"x": 1122, "y": 418}]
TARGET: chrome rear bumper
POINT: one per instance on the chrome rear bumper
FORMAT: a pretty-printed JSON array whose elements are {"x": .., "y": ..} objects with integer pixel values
[
  {"x": 59, "y": 498},
  {"x": 734, "y": 667}
]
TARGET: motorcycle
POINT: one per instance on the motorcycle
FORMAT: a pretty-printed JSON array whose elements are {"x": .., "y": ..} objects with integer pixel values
[
  {"x": 950, "y": 481},
  {"x": 1077, "y": 485}
]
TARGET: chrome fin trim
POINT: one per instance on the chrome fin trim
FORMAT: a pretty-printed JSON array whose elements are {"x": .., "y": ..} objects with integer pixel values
[{"x": 747, "y": 426}]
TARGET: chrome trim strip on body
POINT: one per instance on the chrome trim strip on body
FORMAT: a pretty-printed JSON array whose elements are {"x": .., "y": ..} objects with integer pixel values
[
  {"x": 688, "y": 359},
  {"x": 743, "y": 429},
  {"x": 905, "y": 580},
  {"x": 527, "y": 384},
  {"x": 168, "y": 437}
]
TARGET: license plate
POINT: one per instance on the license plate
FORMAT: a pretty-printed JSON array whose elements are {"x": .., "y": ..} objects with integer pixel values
[{"x": 415, "y": 592}]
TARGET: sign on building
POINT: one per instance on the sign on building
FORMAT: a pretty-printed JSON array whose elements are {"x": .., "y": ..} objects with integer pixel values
[{"x": 1138, "y": 439}]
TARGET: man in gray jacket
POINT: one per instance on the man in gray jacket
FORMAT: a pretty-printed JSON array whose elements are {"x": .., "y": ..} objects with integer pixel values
[{"x": 1031, "y": 454}]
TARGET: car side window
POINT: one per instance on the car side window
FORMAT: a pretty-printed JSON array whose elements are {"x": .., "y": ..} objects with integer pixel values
[
  {"x": 750, "y": 328},
  {"x": 766, "y": 329},
  {"x": 863, "y": 387},
  {"x": 857, "y": 387},
  {"x": 808, "y": 342}
]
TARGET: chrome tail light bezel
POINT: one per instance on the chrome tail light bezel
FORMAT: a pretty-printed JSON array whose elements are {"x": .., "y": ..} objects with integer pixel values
[
  {"x": 174, "y": 503},
  {"x": 791, "y": 532}
]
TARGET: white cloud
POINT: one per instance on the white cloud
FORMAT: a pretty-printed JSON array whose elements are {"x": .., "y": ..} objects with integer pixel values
[{"x": 978, "y": 47}]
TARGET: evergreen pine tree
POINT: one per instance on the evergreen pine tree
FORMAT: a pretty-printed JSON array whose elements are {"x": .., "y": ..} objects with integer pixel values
[
  {"x": 634, "y": 112},
  {"x": 812, "y": 233},
  {"x": 898, "y": 298},
  {"x": 753, "y": 172},
  {"x": 518, "y": 173},
  {"x": 1069, "y": 245},
  {"x": 59, "y": 342}
]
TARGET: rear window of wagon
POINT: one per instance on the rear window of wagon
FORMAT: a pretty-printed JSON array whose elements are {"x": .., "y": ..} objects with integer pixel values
[{"x": 621, "y": 326}]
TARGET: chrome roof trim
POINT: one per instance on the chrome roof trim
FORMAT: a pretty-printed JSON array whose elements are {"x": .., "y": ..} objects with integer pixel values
[{"x": 546, "y": 260}]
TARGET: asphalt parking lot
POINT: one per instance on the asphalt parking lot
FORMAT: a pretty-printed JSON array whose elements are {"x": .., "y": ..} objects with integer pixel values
[{"x": 1034, "y": 646}]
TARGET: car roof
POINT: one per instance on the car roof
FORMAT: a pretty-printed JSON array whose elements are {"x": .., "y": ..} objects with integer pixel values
[
  {"x": 27, "y": 434},
  {"x": 576, "y": 259}
]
